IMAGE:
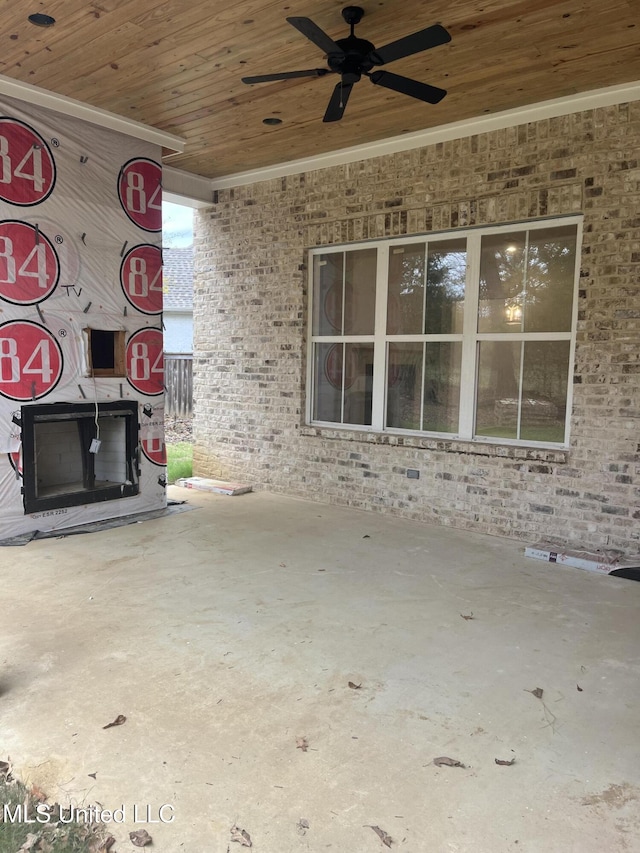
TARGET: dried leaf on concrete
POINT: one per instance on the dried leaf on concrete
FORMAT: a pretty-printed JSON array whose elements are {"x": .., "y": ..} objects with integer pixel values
[
  {"x": 355, "y": 686},
  {"x": 382, "y": 835},
  {"x": 119, "y": 720},
  {"x": 447, "y": 762},
  {"x": 505, "y": 763},
  {"x": 241, "y": 836},
  {"x": 550, "y": 717},
  {"x": 302, "y": 743},
  {"x": 99, "y": 845},
  {"x": 470, "y": 616},
  {"x": 140, "y": 838}
]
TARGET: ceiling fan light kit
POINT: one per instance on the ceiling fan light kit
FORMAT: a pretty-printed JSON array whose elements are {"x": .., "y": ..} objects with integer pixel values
[{"x": 353, "y": 58}]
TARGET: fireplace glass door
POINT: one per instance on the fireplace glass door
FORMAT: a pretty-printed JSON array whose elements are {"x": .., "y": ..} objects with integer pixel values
[{"x": 77, "y": 454}]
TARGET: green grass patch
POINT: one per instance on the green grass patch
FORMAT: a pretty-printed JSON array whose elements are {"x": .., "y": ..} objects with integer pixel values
[
  {"x": 550, "y": 433},
  {"x": 47, "y": 832},
  {"x": 179, "y": 462}
]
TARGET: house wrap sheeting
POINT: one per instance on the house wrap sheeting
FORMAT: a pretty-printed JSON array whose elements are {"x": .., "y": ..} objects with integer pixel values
[{"x": 80, "y": 250}]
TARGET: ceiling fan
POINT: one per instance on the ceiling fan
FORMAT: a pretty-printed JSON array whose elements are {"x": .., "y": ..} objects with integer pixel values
[{"x": 353, "y": 57}]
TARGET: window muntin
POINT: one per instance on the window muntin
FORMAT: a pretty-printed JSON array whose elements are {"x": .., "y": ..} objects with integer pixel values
[{"x": 465, "y": 334}]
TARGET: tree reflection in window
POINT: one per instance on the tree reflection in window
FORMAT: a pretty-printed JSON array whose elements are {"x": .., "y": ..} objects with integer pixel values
[{"x": 431, "y": 304}]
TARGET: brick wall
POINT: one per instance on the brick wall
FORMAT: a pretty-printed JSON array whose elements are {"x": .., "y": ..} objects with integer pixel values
[{"x": 250, "y": 332}]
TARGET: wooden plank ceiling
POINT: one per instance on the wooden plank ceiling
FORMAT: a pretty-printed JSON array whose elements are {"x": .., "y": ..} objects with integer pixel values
[{"x": 178, "y": 65}]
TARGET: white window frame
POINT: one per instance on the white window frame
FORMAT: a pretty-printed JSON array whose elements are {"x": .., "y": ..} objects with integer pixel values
[{"x": 470, "y": 337}]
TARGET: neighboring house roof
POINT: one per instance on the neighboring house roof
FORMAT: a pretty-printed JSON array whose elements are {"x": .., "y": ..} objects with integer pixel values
[{"x": 178, "y": 279}]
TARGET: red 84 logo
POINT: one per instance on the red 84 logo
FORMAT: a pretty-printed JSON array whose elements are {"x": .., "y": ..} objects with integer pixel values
[
  {"x": 153, "y": 447},
  {"x": 30, "y": 361},
  {"x": 29, "y": 265},
  {"x": 140, "y": 193},
  {"x": 145, "y": 361},
  {"x": 27, "y": 167},
  {"x": 141, "y": 278}
]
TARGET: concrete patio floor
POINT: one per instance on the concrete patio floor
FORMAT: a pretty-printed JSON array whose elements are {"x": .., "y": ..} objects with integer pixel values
[{"x": 226, "y": 633}]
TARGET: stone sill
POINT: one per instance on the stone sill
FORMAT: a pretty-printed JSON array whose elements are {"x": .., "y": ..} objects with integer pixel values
[{"x": 446, "y": 445}]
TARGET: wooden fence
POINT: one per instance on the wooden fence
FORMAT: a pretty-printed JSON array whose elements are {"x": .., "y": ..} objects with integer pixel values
[{"x": 178, "y": 381}]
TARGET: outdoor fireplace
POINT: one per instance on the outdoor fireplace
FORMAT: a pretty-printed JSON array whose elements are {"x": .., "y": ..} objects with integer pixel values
[{"x": 74, "y": 454}]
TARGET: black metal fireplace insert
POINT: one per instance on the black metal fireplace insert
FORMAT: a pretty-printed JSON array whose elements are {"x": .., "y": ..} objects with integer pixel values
[{"x": 63, "y": 466}]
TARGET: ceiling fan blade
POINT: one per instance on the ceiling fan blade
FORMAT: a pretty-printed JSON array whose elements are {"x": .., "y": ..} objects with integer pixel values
[
  {"x": 315, "y": 34},
  {"x": 407, "y": 46},
  {"x": 413, "y": 88},
  {"x": 338, "y": 102},
  {"x": 286, "y": 75}
]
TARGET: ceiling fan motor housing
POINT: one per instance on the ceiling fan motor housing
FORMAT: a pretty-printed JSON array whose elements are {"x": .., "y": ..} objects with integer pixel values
[{"x": 355, "y": 61}]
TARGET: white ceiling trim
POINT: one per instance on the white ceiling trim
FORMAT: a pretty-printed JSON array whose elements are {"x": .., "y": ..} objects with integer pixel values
[
  {"x": 457, "y": 130},
  {"x": 94, "y": 115},
  {"x": 186, "y": 188}
]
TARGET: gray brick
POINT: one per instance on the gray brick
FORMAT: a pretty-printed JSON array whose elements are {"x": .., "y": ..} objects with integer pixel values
[{"x": 250, "y": 309}]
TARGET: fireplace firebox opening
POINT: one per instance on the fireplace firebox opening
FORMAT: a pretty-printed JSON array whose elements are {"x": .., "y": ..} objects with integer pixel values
[{"x": 61, "y": 467}]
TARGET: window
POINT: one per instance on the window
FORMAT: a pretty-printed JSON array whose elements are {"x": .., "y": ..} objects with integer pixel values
[{"x": 464, "y": 334}]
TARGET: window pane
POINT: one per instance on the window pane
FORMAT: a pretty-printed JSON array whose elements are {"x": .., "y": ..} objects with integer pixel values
[
  {"x": 544, "y": 390},
  {"x": 498, "y": 388},
  {"x": 550, "y": 280},
  {"x": 446, "y": 275},
  {"x": 360, "y": 292},
  {"x": 330, "y": 359},
  {"x": 327, "y": 293},
  {"x": 327, "y": 403},
  {"x": 358, "y": 384},
  {"x": 541, "y": 406},
  {"x": 500, "y": 308},
  {"x": 442, "y": 386},
  {"x": 406, "y": 289},
  {"x": 404, "y": 385},
  {"x": 538, "y": 299}
]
